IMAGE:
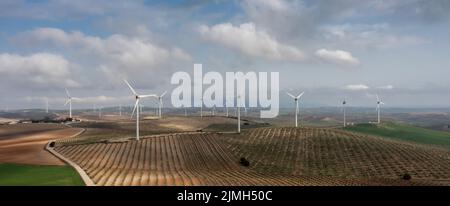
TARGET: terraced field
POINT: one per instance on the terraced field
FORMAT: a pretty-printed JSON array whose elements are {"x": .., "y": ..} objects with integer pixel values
[
  {"x": 278, "y": 156},
  {"x": 337, "y": 153}
]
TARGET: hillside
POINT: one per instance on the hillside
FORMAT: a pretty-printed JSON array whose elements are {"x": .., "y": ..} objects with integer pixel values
[
  {"x": 336, "y": 153},
  {"x": 404, "y": 132},
  {"x": 277, "y": 156}
]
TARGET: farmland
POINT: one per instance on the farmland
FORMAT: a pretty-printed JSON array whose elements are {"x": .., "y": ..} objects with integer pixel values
[
  {"x": 278, "y": 156},
  {"x": 404, "y": 132},
  {"x": 331, "y": 152},
  {"x": 24, "y": 143},
  {"x": 38, "y": 175}
]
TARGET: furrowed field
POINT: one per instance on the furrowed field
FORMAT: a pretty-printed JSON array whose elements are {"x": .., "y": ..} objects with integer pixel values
[{"x": 277, "y": 156}]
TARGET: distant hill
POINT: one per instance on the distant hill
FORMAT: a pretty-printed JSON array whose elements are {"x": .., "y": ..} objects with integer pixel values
[
  {"x": 27, "y": 114},
  {"x": 403, "y": 132}
]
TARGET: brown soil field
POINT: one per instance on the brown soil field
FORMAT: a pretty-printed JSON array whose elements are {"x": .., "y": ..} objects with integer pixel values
[
  {"x": 278, "y": 156},
  {"x": 337, "y": 153},
  {"x": 24, "y": 143}
]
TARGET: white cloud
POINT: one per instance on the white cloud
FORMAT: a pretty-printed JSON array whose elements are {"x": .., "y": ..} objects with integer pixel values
[
  {"x": 248, "y": 40},
  {"x": 40, "y": 68},
  {"x": 120, "y": 49},
  {"x": 356, "y": 87},
  {"x": 387, "y": 87},
  {"x": 114, "y": 57},
  {"x": 367, "y": 36},
  {"x": 337, "y": 57}
]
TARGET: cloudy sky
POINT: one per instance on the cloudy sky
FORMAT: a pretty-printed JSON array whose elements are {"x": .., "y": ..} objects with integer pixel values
[{"x": 330, "y": 49}]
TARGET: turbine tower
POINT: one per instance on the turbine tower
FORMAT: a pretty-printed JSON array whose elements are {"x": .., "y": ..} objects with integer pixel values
[
  {"x": 201, "y": 108},
  {"x": 69, "y": 101},
  {"x": 46, "y": 104},
  {"x": 160, "y": 102},
  {"x": 378, "y": 109},
  {"x": 120, "y": 109},
  {"x": 239, "y": 113},
  {"x": 343, "y": 110},
  {"x": 296, "y": 98},
  {"x": 136, "y": 106}
]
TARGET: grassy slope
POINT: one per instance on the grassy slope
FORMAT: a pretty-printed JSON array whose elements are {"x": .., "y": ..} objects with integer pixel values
[
  {"x": 404, "y": 132},
  {"x": 34, "y": 175}
]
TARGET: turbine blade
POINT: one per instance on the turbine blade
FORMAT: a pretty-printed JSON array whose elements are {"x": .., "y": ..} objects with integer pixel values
[
  {"x": 147, "y": 95},
  {"x": 67, "y": 102},
  {"x": 378, "y": 99},
  {"x": 300, "y": 95},
  {"x": 164, "y": 93},
  {"x": 134, "y": 109},
  {"x": 290, "y": 95},
  {"x": 67, "y": 92},
  {"x": 131, "y": 88}
]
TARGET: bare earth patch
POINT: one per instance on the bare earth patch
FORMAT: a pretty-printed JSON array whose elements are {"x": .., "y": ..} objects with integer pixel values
[{"x": 29, "y": 148}]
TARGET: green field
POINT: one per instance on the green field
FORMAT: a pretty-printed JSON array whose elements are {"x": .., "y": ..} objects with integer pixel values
[
  {"x": 404, "y": 132},
  {"x": 38, "y": 175}
]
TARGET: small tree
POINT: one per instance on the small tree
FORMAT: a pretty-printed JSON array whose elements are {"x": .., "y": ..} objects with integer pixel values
[
  {"x": 406, "y": 176},
  {"x": 244, "y": 162}
]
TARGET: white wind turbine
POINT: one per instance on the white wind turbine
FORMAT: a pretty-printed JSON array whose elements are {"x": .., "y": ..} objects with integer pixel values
[
  {"x": 201, "y": 108},
  {"x": 226, "y": 105},
  {"x": 160, "y": 102},
  {"x": 296, "y": 98},
  {"x": 69, "y": 101},
  {"x": 239, "y": 113},
  {"x": 343, "y": 110},
  {"x": 46, "y": 104},
  {"x": 137, "y": 107},
  {"x": 378, "y": 109}
]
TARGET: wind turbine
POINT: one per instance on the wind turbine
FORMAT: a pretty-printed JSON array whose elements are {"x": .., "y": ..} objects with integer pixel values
[
  {"x": 343, "y": 110},
  {"x": 136, "y": 106},
  {"x": 201, "y": 108},
  {"x": 161, "y": 103},
  {"x": 46, "y": 104},
  {"x": 296, "y": 98},
  {"x": 239, "y": 113},
  {"x": 226, "y": 105},
  {"x": 378, "y": 109},
  {"x": 69, "y": 101}
]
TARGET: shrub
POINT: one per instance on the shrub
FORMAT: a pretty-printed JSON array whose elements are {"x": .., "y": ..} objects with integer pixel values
[
  {"x": 244, "y": 162},
  {"x": 406, "y": 176}
]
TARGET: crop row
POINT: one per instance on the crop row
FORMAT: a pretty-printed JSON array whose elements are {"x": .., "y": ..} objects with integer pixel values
[
  {"x": 176, "y": 159},
  {"x": 336, "y": 153}
]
